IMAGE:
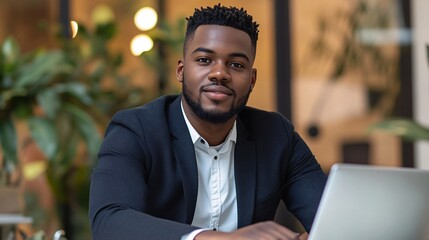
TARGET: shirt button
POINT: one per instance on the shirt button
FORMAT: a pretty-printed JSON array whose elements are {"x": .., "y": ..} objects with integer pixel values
[
  {"x": 215, "y": 157},
  {"x": 202, "y": 141}
]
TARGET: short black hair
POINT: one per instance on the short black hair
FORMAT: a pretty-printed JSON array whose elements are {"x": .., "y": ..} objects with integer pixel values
[{"x": 224, "y": 16}]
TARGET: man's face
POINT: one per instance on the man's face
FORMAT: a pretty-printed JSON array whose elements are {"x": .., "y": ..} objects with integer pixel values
[{"x": 216, "y": 72}]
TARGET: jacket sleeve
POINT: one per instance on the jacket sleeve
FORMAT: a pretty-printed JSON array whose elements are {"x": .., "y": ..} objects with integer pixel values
[
  {"x": 305, "y": 180},
  {"x": 119, "y": 190}
]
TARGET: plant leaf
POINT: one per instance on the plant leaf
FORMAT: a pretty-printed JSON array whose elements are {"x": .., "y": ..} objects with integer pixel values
[
  {"x": 404, "y": 128},
  {"x": 43, "y": 68},
  {"x": 44, "y": 133},
  {"x": 10, "y": 51},
  {"x": 87, "y": 128},
  {"x": 78, "y": 90},
  {"x": 48, "y": 99},
  {"x": 8, "y": 140},
  {"x": 80, "y": 180}
]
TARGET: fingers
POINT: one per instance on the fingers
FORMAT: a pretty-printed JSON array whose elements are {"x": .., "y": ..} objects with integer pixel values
[
  {"x": 303, "y": 236},
  {"x": 259, "y": 231},
  {"x": 266, "y": 231}
]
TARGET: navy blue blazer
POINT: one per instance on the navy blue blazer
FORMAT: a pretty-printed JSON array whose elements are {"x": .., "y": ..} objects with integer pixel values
[{"x": 145, "y": 184}]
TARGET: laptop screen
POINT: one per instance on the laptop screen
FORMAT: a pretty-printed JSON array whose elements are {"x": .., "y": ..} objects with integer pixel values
[{"x": 371, "y": 202}]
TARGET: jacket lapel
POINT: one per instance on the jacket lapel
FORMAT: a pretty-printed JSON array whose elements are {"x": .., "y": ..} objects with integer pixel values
[
  {"x": 185, "y": 156},
  {"x": 244, "y": 166},
  {"x": 245, "y": 175}
]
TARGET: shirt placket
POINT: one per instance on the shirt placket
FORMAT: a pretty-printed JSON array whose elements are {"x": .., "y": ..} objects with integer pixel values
[{"x": 215, "y": 197}]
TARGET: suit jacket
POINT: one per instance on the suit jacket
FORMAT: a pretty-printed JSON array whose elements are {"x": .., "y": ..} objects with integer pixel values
[{"x": 145, "y": 184}]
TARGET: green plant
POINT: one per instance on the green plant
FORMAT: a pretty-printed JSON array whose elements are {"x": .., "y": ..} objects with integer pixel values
[
  {"x": 60, "y": 95},
  {"x": 40, "y": 89},
  {"x": 407, "y": 129},
  {"x": 95, "y": 65}
]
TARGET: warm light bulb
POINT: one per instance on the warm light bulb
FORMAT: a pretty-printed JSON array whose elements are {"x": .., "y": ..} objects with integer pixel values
[
  {"x": 145, "y": 18},
  {"x": 74, "y": 28},
  {"x": 141, "y": 43}
]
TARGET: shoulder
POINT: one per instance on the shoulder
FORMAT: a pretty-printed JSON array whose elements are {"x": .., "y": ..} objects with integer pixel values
[
  {"x": 264, "y": 126},
  {"x": 158, "y": 105},
  {"x": 257, "y": 118},
  {"x": 153, "y": 110},
  {"x": 149, "y": 116}
]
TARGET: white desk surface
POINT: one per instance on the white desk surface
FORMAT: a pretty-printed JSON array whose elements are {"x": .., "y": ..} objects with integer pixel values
[{"x": 11, "y": 219}]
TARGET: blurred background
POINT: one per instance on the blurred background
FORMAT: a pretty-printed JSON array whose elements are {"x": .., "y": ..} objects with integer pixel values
[{"x": 352, "y": 76}]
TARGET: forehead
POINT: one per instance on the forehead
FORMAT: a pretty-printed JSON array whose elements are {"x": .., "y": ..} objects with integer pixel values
[{"x": 220, "y": 38}]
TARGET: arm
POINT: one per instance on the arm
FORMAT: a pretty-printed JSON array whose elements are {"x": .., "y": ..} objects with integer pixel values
[
  {"x": 119, "y": 188},
  {"x": 263, "y": 230},
  {"x": 305, "y": 182}
]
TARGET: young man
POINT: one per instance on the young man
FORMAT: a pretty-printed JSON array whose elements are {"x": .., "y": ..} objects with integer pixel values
[{"x": 202, "y": 165}]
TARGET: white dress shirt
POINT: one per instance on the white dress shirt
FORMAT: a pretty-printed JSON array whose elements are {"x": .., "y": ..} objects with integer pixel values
[{"x": 216, "y": 207}]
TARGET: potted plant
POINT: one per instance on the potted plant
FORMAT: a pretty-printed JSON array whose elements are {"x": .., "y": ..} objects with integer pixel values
[
  {"x": 38, "y": 91},
  {"x": 58, "y": 96}
]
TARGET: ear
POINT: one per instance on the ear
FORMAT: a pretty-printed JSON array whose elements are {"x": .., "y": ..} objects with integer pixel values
[
  {"x": 253, "y": 79},
  {"x": 179, "y": 70}
]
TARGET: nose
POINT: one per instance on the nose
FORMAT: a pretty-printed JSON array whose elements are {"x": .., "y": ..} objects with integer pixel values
[{"x": 219, "y": 73}]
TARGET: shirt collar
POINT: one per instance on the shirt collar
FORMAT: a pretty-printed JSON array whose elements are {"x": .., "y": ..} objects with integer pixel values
[{"x": 195, "y": 136}]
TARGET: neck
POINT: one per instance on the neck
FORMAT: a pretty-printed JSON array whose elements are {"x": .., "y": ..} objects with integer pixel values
[{"x": 213, "y": 133}]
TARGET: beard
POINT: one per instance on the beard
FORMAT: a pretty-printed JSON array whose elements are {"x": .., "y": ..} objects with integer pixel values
[{"x": 213, "y": 116}]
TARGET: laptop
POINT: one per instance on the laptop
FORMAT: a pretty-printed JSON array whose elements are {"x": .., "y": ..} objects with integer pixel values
[{"x": 373, "y": 203}]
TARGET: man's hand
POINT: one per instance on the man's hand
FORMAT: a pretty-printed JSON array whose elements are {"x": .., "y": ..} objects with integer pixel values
[{"x": 259, "y": 231}]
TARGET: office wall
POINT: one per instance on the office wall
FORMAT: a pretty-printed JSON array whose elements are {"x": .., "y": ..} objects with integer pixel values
[
  {"x": 344, "y": 117},
  {"x": 339, "y": 107},
  {"x": 28, "y": 22}
]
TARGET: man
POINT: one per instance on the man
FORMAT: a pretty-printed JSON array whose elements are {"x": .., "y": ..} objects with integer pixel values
[{"x": 202, "y": 165}]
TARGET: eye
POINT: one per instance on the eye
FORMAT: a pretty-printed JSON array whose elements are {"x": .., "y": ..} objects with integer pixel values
[
  {"x": 203, "y": 60},
  {"x": 237, "y": 65}
]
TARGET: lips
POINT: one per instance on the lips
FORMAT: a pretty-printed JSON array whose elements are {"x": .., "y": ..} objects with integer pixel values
[{"x": 218, "y": 89}]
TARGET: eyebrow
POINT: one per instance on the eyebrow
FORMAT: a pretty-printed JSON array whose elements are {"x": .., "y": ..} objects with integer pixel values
[{"x": 237, "y": 54}]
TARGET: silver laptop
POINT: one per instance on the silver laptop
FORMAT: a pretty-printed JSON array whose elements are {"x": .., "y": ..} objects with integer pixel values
[{"x": 373, "y": 203}]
